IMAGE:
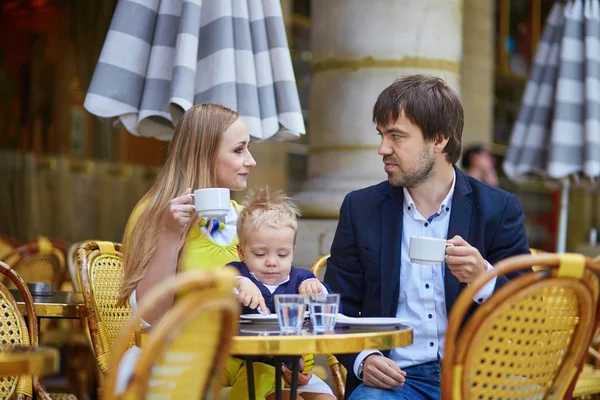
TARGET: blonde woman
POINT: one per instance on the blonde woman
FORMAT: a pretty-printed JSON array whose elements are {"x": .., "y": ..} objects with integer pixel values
[{"x": 164, "y": 235}]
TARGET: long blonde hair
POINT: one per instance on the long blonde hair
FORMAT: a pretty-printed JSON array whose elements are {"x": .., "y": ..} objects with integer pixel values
[{"x": 190, "y": 163}]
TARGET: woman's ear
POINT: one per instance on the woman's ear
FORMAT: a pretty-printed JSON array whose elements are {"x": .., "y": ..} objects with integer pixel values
[{"x": 240, "y": 252}]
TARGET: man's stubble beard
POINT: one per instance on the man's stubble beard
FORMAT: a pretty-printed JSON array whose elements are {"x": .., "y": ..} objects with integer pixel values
[{"x": 417, "y": 178}]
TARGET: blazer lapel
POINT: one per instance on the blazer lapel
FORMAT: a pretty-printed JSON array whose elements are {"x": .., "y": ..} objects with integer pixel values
[
  {"x": 391, "y": 246},
  {"x": 460, "y": 224}
]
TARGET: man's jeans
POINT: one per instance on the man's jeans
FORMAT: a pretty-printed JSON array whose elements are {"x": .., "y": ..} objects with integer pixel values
[{"x": 422, "y": 382}]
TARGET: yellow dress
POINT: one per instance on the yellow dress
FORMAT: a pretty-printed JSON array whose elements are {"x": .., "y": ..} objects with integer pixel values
[
  {"x": 204, "y": 254},
  {"x": 201, "y": 252}
]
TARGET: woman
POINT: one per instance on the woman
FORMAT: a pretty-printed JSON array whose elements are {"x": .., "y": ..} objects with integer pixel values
[{"x": 209, "y": 149}]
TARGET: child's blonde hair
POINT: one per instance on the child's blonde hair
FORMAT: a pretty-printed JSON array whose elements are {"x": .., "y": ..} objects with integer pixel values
[{"x": 264, "y": 207}]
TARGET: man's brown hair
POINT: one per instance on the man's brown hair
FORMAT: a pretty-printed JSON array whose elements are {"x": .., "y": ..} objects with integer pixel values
[{"x": 427, "y": 102}]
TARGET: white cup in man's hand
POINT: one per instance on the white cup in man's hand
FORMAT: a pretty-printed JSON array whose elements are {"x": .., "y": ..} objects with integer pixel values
[
  {"x": 427, "y": 250},
  {"x": 211, "y": 202}
]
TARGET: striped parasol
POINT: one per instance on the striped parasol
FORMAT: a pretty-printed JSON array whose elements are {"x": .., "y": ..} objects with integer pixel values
[
  {"x": 162, "y": 56},
  {"x": 557, "y": 132}
]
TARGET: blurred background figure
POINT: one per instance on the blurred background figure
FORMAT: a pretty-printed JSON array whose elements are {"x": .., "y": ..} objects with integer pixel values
[{"x": 478, "y": 161}]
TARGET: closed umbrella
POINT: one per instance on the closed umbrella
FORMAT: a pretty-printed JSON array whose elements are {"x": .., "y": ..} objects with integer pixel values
[
  {"x": 557, "y": 132},
  {"x": 162, "y": 56}
]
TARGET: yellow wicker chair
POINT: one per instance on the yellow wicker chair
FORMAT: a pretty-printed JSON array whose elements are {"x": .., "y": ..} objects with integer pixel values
[
  {"x": 13, "y": 330},
  {"x": 100, "y": 268},
  {"x": 529, "y": 339},
  {"x": 71, "y": 259},
  {"x": 184, "y": 356},
  {"x": 536, "y": 252},
  {"x": 41, "y": 260},
  {"x": 7, "y": 245},
  {"x": 588, "y": 383},
  {"x": 338, "y": 371}
]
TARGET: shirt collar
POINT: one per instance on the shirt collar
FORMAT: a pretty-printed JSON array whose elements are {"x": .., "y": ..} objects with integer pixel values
[
  {"x": 409, "y": 204},
  {"x": 231, "y": 217},
  {"x": 271, "y": 288}
]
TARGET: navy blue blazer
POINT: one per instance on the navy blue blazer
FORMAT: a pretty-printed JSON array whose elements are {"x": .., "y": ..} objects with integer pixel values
[{"x": 364, "y": 267}]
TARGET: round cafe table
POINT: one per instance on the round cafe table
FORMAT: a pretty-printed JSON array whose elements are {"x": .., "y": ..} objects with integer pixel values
[
  {"x": 26, "y": 360},
  {"x": 259, "y": 339},
  {"x": 57, "y": 305}
]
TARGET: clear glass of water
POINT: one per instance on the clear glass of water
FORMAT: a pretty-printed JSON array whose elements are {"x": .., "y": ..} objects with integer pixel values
[
  {"x": 290, "y": 311},
  {"x": 323, "y": 309}
]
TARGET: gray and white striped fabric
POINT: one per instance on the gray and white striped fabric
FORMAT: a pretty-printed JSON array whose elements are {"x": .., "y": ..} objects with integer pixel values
[
  {"x": 162, "y": 56},
  {"x": 557, "y": 132}
]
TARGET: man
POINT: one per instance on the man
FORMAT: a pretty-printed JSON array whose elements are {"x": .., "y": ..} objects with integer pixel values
[
  {"x": 420, "y": 121},
  {"x": 478, "y": 161}
]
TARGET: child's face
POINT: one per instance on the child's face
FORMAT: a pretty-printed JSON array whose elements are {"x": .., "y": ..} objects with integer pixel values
[{"x": 268, "y": 253}]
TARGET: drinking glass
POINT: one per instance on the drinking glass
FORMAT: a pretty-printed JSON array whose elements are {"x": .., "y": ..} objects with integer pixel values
[
  {"x": 290, "y": 311},
  {"x": 323, "y": 309}
]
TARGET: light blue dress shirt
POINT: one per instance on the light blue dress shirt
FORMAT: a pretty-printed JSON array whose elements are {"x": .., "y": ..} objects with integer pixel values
[{"x": 421, "y": 300}]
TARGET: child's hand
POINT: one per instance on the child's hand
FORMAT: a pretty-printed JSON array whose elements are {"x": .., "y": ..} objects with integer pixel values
[
  {"x": 311, "y": 286},
  {"x": 250, "y": 294},
  {"x": 302, "y": 379}
]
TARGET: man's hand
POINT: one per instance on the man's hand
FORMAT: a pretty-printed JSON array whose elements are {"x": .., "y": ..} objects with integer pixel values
[
  {"x": 250, "y": 294},
  {"x": 464, "y": 260},
  {"x": 382, "y": 372},
  {"x": 311, "y": 286}
]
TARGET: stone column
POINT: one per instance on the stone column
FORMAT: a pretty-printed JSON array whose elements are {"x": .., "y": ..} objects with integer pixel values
[
  {"x": 358, "y": 48},
  {"x": 477, "y": 89}
]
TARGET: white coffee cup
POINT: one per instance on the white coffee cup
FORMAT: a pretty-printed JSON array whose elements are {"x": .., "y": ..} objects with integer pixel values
[
  {"x": 427, "y": 250},
  {"x": 211, "y": 202}
]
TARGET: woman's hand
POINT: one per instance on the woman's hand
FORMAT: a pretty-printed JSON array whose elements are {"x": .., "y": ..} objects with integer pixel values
[
  {"x": 179, "y": 213},
  {"x": 250, "y": 294}
]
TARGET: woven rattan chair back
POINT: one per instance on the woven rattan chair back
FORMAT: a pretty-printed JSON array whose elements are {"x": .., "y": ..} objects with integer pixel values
[
  {"x": 38, "y": 261},
  {"x": 7, "y": 245},
  {"x": 28, "y": 334},
  {"x": 100, "y": 266},
  {"x": 13, "y": 331},
  {"x": 338, "y": 371},
  {"x": 319, "y": 266},
  {"x": 184, "y": 356},
  {"x": 528, "y": 340},
  {"x": 72, "y": 269}
]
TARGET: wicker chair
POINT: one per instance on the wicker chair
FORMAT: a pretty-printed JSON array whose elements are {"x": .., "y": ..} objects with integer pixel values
[
  {"x": 529, "y": 339},
  {"x": 536, "y": 252},
  {"x": 177, "y": 361},
  {"x": 588, "y": 383},
  {"x": 7, "y": 245},
  {"x": 100, "y": 266},
  {"x": 338, "y": 371},
  {"x": 13, "y": 330},
  {"x": 72, "y": 265},
  {"x": 41, "y": 260}
]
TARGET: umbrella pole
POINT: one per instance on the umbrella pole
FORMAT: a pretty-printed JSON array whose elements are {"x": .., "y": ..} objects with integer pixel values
[{"x": 561, "y": 244}]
